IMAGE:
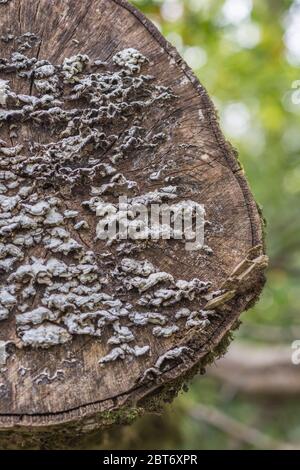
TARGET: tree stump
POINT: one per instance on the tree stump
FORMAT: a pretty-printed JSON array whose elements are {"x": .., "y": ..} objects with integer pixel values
[{"x": 94, "y": 105}]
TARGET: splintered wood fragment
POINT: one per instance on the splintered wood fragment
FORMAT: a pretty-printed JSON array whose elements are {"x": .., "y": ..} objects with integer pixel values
[{"x": 96, "y": 105}]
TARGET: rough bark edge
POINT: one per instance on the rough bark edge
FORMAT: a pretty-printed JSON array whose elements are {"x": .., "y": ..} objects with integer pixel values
[{"x": 122, "y": 408}]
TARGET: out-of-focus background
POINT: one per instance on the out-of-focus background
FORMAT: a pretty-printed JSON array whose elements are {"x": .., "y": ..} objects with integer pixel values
[{"x": 247, "y": 55}]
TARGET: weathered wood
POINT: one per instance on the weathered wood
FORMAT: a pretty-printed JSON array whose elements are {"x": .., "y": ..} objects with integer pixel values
[{"x": 94, "y": 101}]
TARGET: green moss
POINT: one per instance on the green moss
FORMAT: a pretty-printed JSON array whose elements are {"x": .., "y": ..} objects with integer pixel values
[{"x": 119, "y": 417}]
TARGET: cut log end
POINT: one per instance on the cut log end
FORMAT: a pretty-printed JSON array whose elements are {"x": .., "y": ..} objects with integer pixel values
[{"x": 95, "y": 105}]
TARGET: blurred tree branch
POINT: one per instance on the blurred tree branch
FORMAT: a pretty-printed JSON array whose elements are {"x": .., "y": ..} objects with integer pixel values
[{"x": 239, "y": 431}]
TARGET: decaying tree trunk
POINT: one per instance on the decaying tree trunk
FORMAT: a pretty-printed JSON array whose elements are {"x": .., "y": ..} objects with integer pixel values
[{"x": 95, "y": 104}]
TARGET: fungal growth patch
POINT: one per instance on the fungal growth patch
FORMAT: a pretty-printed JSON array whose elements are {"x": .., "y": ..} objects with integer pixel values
[{"x": 59, "y": 278}]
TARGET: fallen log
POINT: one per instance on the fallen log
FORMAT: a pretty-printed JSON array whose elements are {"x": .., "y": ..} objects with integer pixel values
[
  {"x": 95, "y": 104},
  {"x": 259, "y": 370}
]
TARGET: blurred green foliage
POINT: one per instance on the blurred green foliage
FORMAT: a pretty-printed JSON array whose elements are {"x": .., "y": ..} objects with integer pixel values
[{"x": 240, "y": 52}]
